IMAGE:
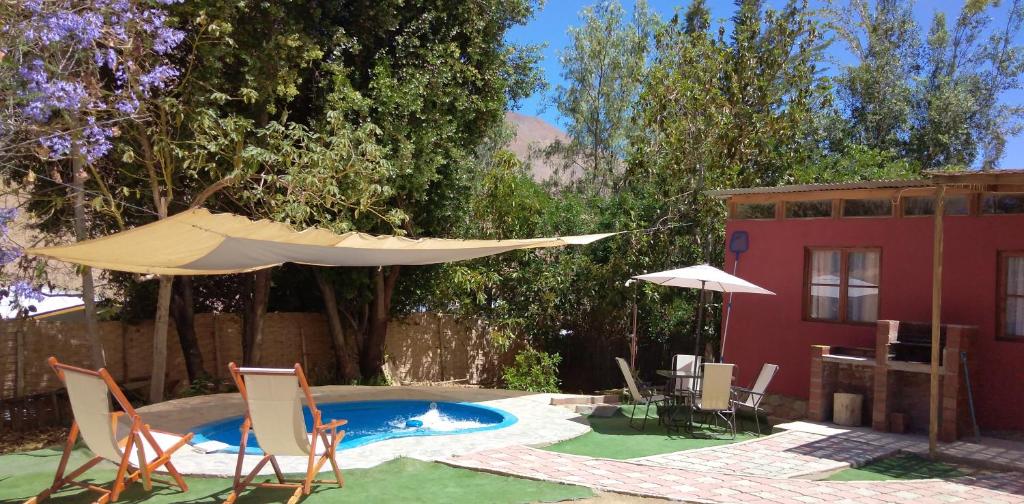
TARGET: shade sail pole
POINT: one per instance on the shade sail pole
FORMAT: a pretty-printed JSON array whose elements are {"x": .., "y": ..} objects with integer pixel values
[
  {"x": 933, "y": 404},
  {"x": 700, "y": 319},
  {"x": 633, "y": 347}
]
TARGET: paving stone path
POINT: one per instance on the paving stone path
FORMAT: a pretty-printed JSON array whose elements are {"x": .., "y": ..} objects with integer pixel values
[
  {"x": 688, "y": 485},
  {"x": 789, "y": 454}
]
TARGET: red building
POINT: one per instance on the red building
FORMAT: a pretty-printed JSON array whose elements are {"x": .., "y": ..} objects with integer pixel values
[{"x": 841, "y": 257}]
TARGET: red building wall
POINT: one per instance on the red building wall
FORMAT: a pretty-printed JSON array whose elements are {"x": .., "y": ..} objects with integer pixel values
[{"x": 772, "y": 329}]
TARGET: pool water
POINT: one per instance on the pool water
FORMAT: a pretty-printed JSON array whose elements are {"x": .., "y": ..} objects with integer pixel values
[{"x": 372, "y": 421}]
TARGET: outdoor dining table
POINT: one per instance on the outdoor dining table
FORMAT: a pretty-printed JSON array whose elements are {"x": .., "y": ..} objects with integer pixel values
[{"x": 674, "y": 375}]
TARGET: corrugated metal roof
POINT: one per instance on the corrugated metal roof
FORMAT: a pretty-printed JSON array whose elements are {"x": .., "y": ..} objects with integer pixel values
[
  {"x": 868, "y": 184},
  {"x": 999, "y": 171},
  {"x": 964, "y": 177}
]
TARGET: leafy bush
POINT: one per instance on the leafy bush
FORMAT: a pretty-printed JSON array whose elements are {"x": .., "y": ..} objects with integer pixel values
[{"x": 534, "y": 371}]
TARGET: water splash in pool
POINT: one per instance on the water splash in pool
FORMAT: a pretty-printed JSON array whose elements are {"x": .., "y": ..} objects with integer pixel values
[{"x": 436, "y": 421}]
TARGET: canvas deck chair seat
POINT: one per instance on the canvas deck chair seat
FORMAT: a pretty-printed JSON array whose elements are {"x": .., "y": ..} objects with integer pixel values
[
  {"x": 118, "y": 436},
  {"x": 273, "y": 401},
  {"x": 716, "y": 397},
  {"x": 753, "y": 396},
  {"x": 639, "y": 396}
]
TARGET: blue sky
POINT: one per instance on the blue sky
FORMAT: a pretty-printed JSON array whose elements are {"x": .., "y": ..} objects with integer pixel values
[{"x": 550, "y": 26}]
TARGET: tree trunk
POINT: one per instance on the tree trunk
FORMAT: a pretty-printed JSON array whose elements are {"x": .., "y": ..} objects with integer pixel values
[
  {"x": 88, "y": 289},
  {"x": 163, "y": 308},
  {"x": 183, "y": 311},
  {"x": 255, "y": 313},
  {"x": 380, "y": 311},
  {"x": 346, "y": 351}
]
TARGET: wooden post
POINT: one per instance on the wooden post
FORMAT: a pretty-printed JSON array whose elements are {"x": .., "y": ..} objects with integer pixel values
[
  {"x": 933, "y": 406},
  {"x": 216, "y": 346},
  {"x": 302, "y": 347},
  {"x": 19, "y": 357}
]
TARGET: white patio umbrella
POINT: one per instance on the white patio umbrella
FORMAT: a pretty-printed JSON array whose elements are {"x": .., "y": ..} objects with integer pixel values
[{"x": 703, "y": 277}]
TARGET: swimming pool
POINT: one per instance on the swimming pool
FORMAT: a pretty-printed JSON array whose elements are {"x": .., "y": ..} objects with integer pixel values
[{"x": 372, "y": 421}]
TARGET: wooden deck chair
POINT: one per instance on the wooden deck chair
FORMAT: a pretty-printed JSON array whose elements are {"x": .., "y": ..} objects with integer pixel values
[
  {"x": 136, "y": 446},
  {"x": 274, "y": 415}
]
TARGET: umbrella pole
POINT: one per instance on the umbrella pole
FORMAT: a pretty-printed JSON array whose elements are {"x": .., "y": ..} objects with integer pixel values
[
  {"x": 700, "y": 321},
  {"x": 728, "y": 313}
]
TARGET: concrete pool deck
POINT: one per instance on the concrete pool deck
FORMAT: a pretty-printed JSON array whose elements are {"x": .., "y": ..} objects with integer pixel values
[{"x": 539, "y": 423}]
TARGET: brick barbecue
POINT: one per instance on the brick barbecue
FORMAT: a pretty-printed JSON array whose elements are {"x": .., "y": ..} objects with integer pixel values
[{"x": 893, "y": 378}]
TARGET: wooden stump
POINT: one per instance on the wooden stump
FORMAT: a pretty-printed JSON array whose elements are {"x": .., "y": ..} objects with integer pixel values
[{"x": 846, "y": 409}]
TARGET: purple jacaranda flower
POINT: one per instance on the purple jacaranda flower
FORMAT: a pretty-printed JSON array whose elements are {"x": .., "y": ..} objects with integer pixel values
[
  {"x": 7, "y": 216},
  {"x": 57, "y": 146},
  {"x": 35, "y": 6},
  {"x": 128, "y": 105},
  {"x": 24, "y": 291},
  {"x": 167, "y": 39},
  {"x": 34, "y": 72},
  {"x": 80, "y": 27},
  {"x": 105, "y": 57},
  {"x": 121, "y": 76},
  {"x": 80, "y": 43},
  {"x": 9, "y": 255},
  {"x": 96, "y": 140},
  {"x": 157, "y": 78}
]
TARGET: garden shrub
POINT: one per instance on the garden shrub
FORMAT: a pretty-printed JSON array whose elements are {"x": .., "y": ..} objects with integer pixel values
[{"x": 534, "y": 371}]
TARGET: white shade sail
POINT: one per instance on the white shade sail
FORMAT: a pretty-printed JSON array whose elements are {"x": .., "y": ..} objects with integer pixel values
[
  {"x": 703, "y": 276},
  {"x": 197, "y": 242}
]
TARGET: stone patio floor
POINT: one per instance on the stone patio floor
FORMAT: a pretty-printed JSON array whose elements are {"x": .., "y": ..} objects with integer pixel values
[{"x": 777, "y": 468}]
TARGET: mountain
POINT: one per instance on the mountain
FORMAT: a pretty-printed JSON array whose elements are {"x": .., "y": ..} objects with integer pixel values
[{"x": 533, "y": 134}]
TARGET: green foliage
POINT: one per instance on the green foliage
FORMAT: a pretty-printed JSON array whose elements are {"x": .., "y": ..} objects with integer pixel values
[
  {"x": 201, "y": 385},
  {"x": 534, "y": 371},
  {"x": 931, "y": 98},
  {"x": 604, "y": 67}
]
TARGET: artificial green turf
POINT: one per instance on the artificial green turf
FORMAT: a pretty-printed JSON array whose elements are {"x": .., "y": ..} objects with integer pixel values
[
  {"x": 613, "y": 438},
  {"x": 900, "y": 467},
  {"x": 402, "y": 480}
]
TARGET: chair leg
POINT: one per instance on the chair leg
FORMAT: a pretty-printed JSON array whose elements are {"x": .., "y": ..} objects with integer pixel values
[
  {"x": 334, "y": 453},
  {"x": 311, "y": 470},
  {"x": 757, "y": 422},
  {"x": 147, "y": 480},
  {"x": 122, "y": 468},
  {"x": 277, "y": 470}
]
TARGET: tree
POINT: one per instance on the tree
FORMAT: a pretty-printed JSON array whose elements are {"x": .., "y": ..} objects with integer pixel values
[
  {"x": 933, "y": 100},
  {"x": 435, "y": 79},
  {"x": 84, "y": 69},
  {"x": 958, "y": 116},
  {"x": 604, "y": 69},
  {"x": 877, "y": 91}
]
